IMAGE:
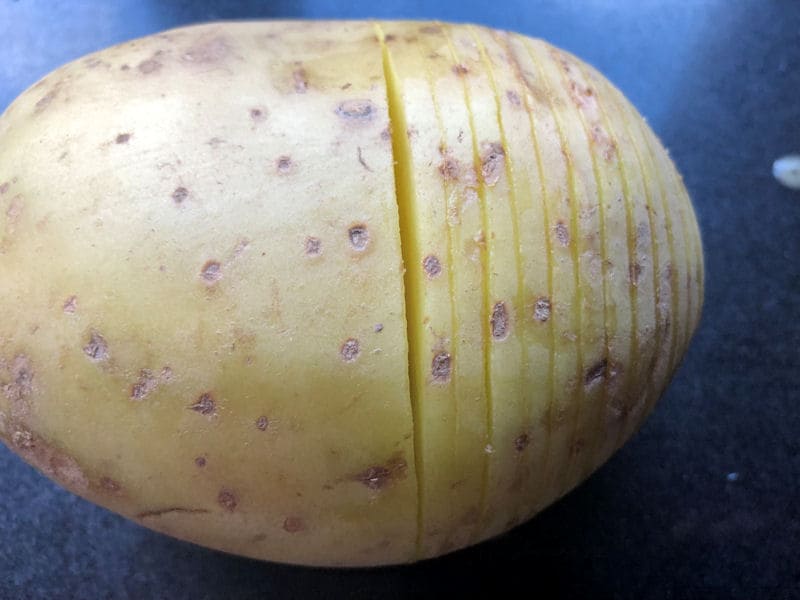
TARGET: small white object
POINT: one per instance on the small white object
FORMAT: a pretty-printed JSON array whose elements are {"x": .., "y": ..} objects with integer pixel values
[
  {"x": 787, "y": 170},
  {"x": 734, "y": 476}
]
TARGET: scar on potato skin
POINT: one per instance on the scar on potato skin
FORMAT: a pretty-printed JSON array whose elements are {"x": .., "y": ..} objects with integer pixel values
[
  {"x": 300, "y": 80},
  {"x": 258, "y": 114},
  {"x": 313, "y": 246},
  {"x": 562, "y": 233},
  {"x": 521, "y": 442},
  {"x": 361, "y": 160},
  {"x": 107, "y": 484},
  {"x": 460, "y": 70},
  {"x": 205, "y": 404},
  {"x": 542, "y": 309},
  {"x": 262, "y": 423},
  {"x": 148, "y": 66},
  {"x": 200, "y": 461},
  {"x": 356, "y": 110},
  {"x": 70, "y": 305},
  {"x": 597, "y": 372},
  {"x": 293, "y": 524},
  {"x": 180, "y": 194},
  {"x": 146, "y": 383},
  {"x": 47, "y": 458},
  {"x": 359, "y": 236},
  {"x": 500, "y": 321},
  {"x": 211, "y": 272},
  {"x": 122, "y": 138},
  {"x": 492, "y": 162},
  {"x": 97, "y": 348},
  {"x": 20, "y": 386},
  {"x": 432, "y": 266},
  {"x": 440, "y": 367},
  {"x": 227, "y": 500},
  {"x": 379, "y": 477},
  {"x": 171, "y": 510},
  {"x": 350, "y": 350},
  {"x": 4, "y": 187},
  {"x": 284, "y": 164}
]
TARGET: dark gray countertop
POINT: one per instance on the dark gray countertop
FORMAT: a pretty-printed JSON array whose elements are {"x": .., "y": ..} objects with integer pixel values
[{"x": 705, "y": 501}]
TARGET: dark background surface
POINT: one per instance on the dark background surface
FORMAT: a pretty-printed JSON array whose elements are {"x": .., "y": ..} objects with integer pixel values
[{"x": 704, "y": 501}]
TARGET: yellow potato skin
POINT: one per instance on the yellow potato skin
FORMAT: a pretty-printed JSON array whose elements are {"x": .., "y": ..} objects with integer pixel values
[{"x": 223, "y": 320}]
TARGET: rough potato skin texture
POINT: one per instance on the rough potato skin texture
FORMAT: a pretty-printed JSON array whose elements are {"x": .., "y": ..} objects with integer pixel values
[{"x": 334, "y": 293}]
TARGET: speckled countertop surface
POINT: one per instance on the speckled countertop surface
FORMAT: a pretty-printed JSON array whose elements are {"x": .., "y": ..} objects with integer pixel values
[{"x": 705, "y": 501}]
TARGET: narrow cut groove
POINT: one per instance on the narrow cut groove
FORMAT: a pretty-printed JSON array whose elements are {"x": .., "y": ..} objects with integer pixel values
[
  {"x": 544, "y": 196},
  {"x": 409, "y": 246},
  {"x": 578, "y": 301},
  {"x": 509, "y": 164},
  {"x": 603, "y": 235},
  {"x": 629, "y": 231},
  {"x": 486, "y": 310},
  {"x": 665, "y": 212},
  {"x": 657, "y": 333}
]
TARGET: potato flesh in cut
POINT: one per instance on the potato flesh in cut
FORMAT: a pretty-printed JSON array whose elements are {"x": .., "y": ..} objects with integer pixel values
[{"x": 339, "y": 293}]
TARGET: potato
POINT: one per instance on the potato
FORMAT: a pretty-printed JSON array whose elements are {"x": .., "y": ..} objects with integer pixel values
[{"x": 338, "y": 293}]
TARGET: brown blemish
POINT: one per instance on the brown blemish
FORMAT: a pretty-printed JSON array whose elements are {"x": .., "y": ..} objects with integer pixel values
[
  {"x": 500, "y": 321},
  {"x": 166, "y": 374},
  {"x": 284, "y": 164},
  {"x": 460, "y": 70},
  {"x": 492, "y": 162},
  {"x": 513, "y": 98},
  {"x": 386, "y": 134},
  {"x": 227, "y": 500},
  {"x": 20, "y": 385},
  {"x": 634, "y": 272},
  {"x": 205, "y": 405},
  {"x": 313, "y": 246},
  {"x": 379, "y": 477},
  {"x": 110, "y": 485},
  {"x": 390, "y": 37},
  {"x": 122, "y": 138},
  {"x": 51, "y": 461},
  {"x": 350, "y": 350},
  {"x": 361, "y": 160},
  {"x": 70, "y": 305},
  {"x": 600, "y": 137},
  {"x": 596, "y": 373},
  {"x": 430, "y": 29},
  {"x": 440, "y": 367},
  {"x": 449, "y": 168},
  {"x": 541, "y": 309},
  {"x": 172, "y": 510},
  {"x": 180, "y": 194},
  {"x": 562, "y": 233},
  {"x": 148, "y": 66},
  {"x": 125, "y": 67},
  {"x": 200, "y": 461},
  {"x": 378, "y": 327},
  {"x": 211, "y": 272},
  {"x": 146, "y": 383},
  {"x": 46, "y": 100},
  {"x": 346, "y": 86},
  {"x": 293, "y": 524},
  {"x": 262, "y": 423},
  {"x": 577, "y": 447},
  {"x": 359, "y": 237},
  {"x": 209, "y": 51},
  {"x": 300, "y": 80},
  {"x": 258, "y": 114},
  {"x": 359, "y": 110},
  {"x": 432, "y": 266},
  {"x": 97, "y": 348},
  {"x": 521, "y": 442},
  {"x": 4, "y": 187}
]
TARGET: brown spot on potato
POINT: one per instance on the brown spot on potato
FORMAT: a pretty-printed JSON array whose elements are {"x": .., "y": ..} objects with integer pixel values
[
  {"x": 20, "y": 385},
  {"x": 541, "y": 309},
  {"x": 180, "y": 194},
  {"x": 4, "y": 187},
  {"x": 449, "y": 168},
  {"x": 45, "y": 101},
  {"x": 432, "y": 266},
  {"x": 596, "y": 373},
  {"x": 110, "y": 485},
  {"x": 125, "y": 67},
  {"x": 70, "y": 305},
  {"x": 378, "y": 327},
  {"x": 500, "y": 321},
  {"x": 262, "y": 423},
  {"x": 350, "y": 350},
  {"x": 284, "y": 164},
  {"x": 300, "y": 80},
  {"x": 258, "y": 114},
  {"x": 440, "y": 367},
  {"x": 521, "y": 442},
  {"x": 361, "y": 160},
  {"x": 313, "y": 246},
  {"x": 562, "y": 233},
  {"x": 293, "y": 524},
  {"x": 513, "y": 98},
  {"x": 358, "y": 110},
  {"x": 97, "y": 348},
  {"x": 607, "y": 146},
  {"x": 145, "y": 384},
  {"x": 48, "y": 459},
  {"x": 430, "y": 29},
  {"x": 122, "y": 138},
  {"x": 634, "y": 272},
  {"x": 492, "y": 162},
  {"x": 211, "y": 272},
  {"x": 205, "y": 405},
  {"x": 166, "y": 374},
  {"x": 148, "y": 66},
  {"x": 460, "y": 70},
  {"x": 379, "y": 477},
  {"x": 207, "y": 51},
  {"x": 171, "y": 510},
  {"x": 390, "y": 37},
  {"x": 359, "y": 237},
  {"x": 227, "y": 500},
  {"x": 200, "y": 461}
]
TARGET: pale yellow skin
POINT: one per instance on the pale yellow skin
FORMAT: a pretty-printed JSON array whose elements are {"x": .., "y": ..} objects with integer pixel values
[{"x": 339, "y": 293}]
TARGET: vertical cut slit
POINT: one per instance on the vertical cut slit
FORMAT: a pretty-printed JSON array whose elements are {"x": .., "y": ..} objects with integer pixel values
[{"x": 409, "y": 245}]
